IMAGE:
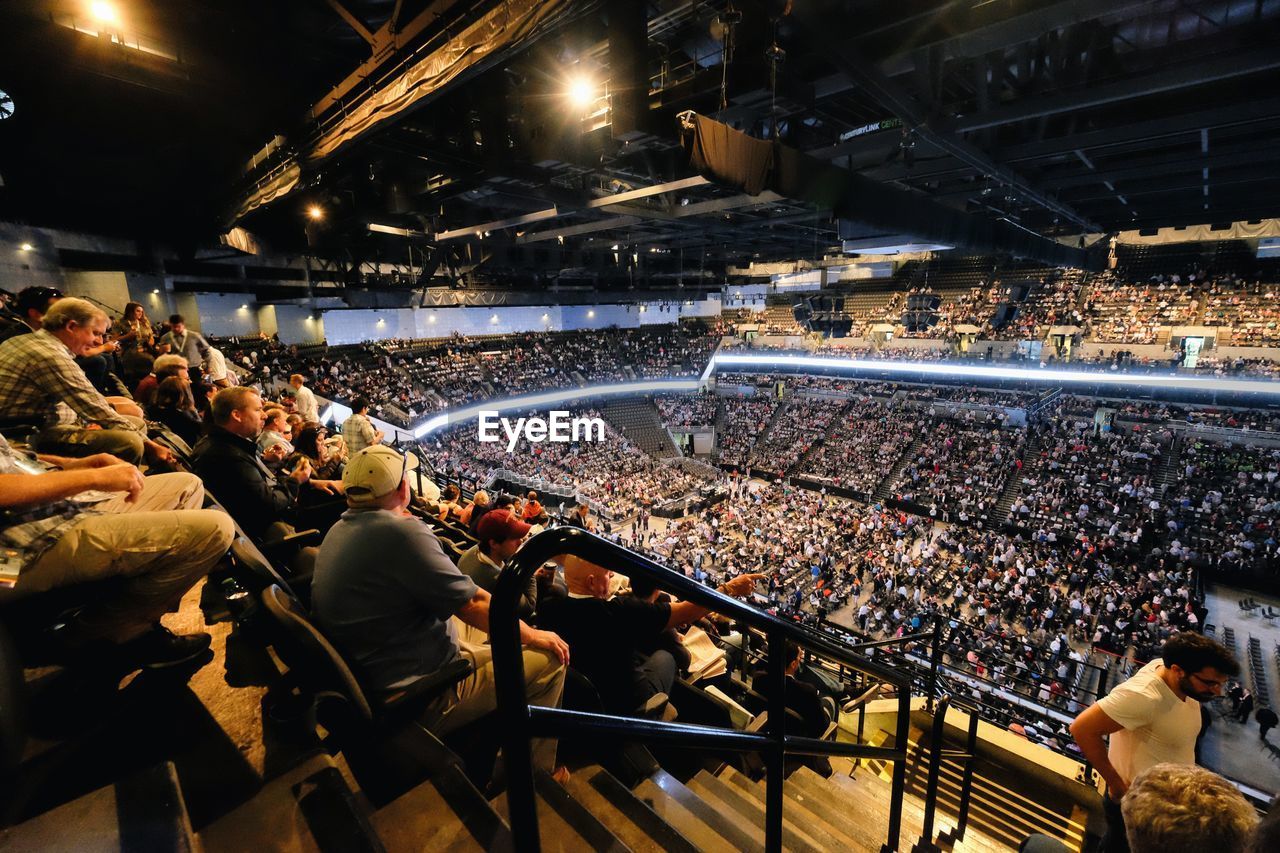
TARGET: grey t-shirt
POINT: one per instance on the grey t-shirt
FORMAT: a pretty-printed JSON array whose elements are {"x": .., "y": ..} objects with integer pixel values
[{"x": 383, "y": 593}]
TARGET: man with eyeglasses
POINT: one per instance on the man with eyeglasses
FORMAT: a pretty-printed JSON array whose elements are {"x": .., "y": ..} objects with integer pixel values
[{"x": 1153, "y": 718}]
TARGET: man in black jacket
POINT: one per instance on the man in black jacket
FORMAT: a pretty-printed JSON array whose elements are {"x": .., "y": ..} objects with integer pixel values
[{"x": 227, "y": 459}]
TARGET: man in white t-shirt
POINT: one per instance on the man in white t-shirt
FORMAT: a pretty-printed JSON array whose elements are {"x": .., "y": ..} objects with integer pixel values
[
  {"x": 304, "y": 401},
  {"x": 1152, "y": 718}
]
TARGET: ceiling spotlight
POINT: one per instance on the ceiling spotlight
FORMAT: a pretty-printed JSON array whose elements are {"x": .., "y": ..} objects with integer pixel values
[
  {"x": 104, "y": 12},
  {"x": 26, "y": 247},
  {"x": 315, "y": 211},
  {"x": 591, "y": 313},
  {"x": 244, "y": 307},
  {"x": 582, "y": 92},
  {"x": 154, "y": 292},
  {"x": 431, "y": 318}
]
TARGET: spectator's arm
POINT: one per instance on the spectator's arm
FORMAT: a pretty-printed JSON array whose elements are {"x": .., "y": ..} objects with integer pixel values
[
  {"x": 1089, "y": 729},
  {"x": 63, "y": 380},
  {"x": 17, "y": 490},
  {"x": 476, "y": 614}
]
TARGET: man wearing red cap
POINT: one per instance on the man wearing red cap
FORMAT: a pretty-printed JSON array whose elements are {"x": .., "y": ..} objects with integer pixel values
[{"x": 501, "y": 534}]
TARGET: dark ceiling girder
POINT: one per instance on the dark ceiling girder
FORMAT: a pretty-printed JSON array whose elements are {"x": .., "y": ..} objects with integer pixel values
[
  {"x": 1250, "y": 112},
  {"x": 1229, "y": 157},
  {"x": 888, "y": 93},
  {"x": 353, "y": 21},
  {"x": 1002, "y": 35},
  {"x": 733, "y": 159},
  {"x": 1090, "y": 97},
  {"x": 388, "y": 40}
]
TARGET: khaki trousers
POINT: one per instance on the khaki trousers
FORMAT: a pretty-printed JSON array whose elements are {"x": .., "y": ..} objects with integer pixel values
[
  {"x": 77, "y": 441},
  {"x": 476, "y": 696},
  {"x": 160, "y": 546}
]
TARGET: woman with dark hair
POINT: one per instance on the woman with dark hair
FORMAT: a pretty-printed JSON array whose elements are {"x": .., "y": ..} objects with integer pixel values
[
  {"x": 176, "y": 408},
  {"x": 310, "y": 443},
  {"x": 133, "y": 330}
]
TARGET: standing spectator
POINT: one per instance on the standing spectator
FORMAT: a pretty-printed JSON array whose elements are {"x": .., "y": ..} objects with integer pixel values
[
  {"x": 1152, "y": 718},
  {"x": 133, "y": 329},
  {"x": 216, "y": 370},
  {"x": 357, "y": 431},
  {"x": 304, "y": 402},
  {"x": 581, "y": 517},
  {"x": 180, "y": 340},
  {"x": 1246, "y": 707},
  {"x": 1267, "y": 721}
]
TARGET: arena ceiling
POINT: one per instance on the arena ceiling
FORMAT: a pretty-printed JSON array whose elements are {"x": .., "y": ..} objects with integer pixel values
[{"x": 444, "y": 133}]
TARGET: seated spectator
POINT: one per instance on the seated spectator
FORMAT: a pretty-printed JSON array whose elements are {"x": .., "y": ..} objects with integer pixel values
[
  {"x": 40, "y": 382},
  {"x": 276, "y": 432},
  {"x": 310, "y": 442},
  {"x": 450, "y": 508},
  {"x": 474, "y": 511},
  {"x": 227, "y": 459},
  {"x": 30, "y": 306},
  {"x": 216, "y": 370},
  {"x": 604, "y": 633},
  {"x": 357, "y": 431},
  {"x": 391, "y": 617},
  {"x": 533, "y": 513},
  {"x": 804, "y": 700},
  {"x": 1184, "y": 807},
  {"x": 176, "y": 409},
  {"x": 150, "y": 536},
  {"x": 161, "y": 369},
  {"x": 501, "y": 536}
]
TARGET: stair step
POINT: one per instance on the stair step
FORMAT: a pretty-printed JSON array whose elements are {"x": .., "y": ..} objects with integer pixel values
[
  {"x": 563, "y": 823},
  {"x": 702, "y": 825},
  {"x": 750, "y": 806},
  {"x": 633, "y": 822},
  {"x": 815, "y": 795},
  {"x": 460, "y": 818}
]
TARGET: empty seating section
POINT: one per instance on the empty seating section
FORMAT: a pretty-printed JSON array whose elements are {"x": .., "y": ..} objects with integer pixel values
[{"x": 1258, "y": 674}]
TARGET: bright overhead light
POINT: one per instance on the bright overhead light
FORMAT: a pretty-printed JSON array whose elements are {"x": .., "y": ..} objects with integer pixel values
[
  {"x": 104, "y": 12},
  {"x": 431, "y": 318},
  {"x": 493, "y": 319},
  {"x": 244, "y": 307},
  {"x": 154, "y": 292},
  {"x": 315, "y": 211},
  {"x": 591, "y": 313},
  {"x": 26, "y": 247},
  {"x": 582, "y": 92}
]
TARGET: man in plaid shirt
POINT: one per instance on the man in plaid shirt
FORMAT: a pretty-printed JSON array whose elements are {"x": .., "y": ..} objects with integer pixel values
[{"x": 40, "y": 382}]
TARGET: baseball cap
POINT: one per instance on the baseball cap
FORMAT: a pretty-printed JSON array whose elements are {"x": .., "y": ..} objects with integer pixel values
[
  {"x": 500, "y": 524},
  {"x": 374, "y": 472}
]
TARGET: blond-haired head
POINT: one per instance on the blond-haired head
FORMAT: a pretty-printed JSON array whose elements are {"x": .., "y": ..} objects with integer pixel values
[{"x": 1185, "y": 807}]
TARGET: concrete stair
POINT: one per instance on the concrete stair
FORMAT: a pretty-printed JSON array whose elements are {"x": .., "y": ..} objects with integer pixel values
[
  {"x": 1030, "y": 465},
  {"x": 885, "y": 488}
]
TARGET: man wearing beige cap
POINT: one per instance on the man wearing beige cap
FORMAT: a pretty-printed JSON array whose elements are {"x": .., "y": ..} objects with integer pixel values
[{"x": 384, "y": 592}]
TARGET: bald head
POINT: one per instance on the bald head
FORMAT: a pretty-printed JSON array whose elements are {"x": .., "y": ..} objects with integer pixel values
[{"x": 584, "y": 577}]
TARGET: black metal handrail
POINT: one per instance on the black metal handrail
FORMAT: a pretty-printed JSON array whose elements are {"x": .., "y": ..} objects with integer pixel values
[{"x": 521, "y": 722}]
